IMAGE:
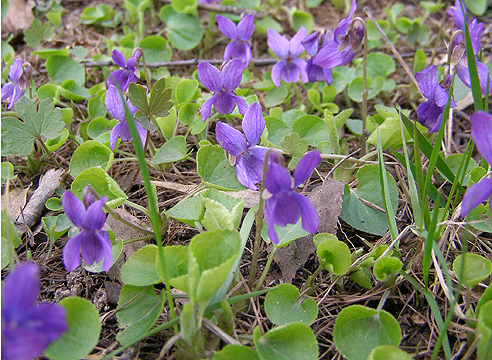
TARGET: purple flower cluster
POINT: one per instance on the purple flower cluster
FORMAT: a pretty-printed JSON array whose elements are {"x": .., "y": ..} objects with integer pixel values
[
  {"x": 312, "y": 44},
  {"x": 127, "y": 74},
  {"x": 28, "y": 328},
  {"x": 239, "y": 47},
  {"x": 481, "y": 126},
  {"x": 92, "y": 240},
  {"x": 283, "y": 205},
  {"x": 15, "y": 89}
]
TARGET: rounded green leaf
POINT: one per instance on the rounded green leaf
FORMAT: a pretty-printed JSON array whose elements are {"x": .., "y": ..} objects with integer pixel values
[
  {"x": 156, "y": 49},
  {"x": 385, "y": 267},
  {"x": 333, "y": 254},
  {"x": 56, "y": 143},
  {"x": 359, "y": 329},
  {"x": 102, "y": 183},
  {"x": 91, "y": 154},
  {"x": 277, "y": 130},
  {"x": 185, "y": 90},
  {"x": 184, "y": 31},
  {"x": 61, "y": 68},
  {"x": 386, "y": 352},
  {"x": 300, "y": 19},
  {"x": 236, "y": 352},
  {"x": 215, "y": 170},
  {"x": 184, "y": 6},
  {"x": 294, "y": 341},
  {"x": 188, "y": 113},
  {"x": 172, "y": 150},
  {"x": 484, "y": 332},
  {"x": 312, "y": 128},
  {"x": 83, "y": 331},
  {"x": 470, "y": 269},
  {"x": 276, "y": 96},
  {"x": 97, "y": 127},
  {"x": 187, "y": 211},
  {"x": 284, "y": 306},
  {"x": 140, "y": 269}
]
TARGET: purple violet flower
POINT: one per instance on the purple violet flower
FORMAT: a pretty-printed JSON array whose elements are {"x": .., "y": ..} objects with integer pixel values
[
  {"x": 246, "y": 157},
  {"x": 430, "y": 112},
  {"x": 117, "y": 110},
  {"x": 314, "y": 72},
  {"x": 92, "y": 240},
  {"x": 28, "y": 328},
  {"x": 481, "y": 125},
  {"x": 289, "y": 68},
  {"x": 340, "y": 45},
  {"x": 459, "y": 55},
  {"x": 239, "y": 48},
  {"x": 15, "y": 90},
  {"x": 222, "y": 83},
  {"x": 127, "y": 74},
  {"x": 283, "y": 205}
]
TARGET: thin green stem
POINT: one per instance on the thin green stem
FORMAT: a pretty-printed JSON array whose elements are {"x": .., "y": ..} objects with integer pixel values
[
  {"x": 49, "y": 154},
  {"x": 267, "y": 267},
  {"x": 298, "y": 94},
  {"x": 363, "y": 144}
]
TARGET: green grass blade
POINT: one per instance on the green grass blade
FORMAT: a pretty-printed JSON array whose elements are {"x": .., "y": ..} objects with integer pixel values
[{"x": 431, "y": 234}]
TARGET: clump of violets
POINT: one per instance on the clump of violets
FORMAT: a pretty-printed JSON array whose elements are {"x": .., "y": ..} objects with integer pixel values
[
  {"x": 127, "y": 74},
  {"x": 19, "y": 78},
  {"x": 246, "y": 157},
  {"x": 340, "y": 44},
  {"x": 459, "y": 54},
  {"x": 283, "y": 205},
  {"x": 239, "y": 47},
  {"x": 430, "y": 112},
  {"x": 92, "y": 240},
  {"x": 289, "y": 68},
  {"x": 115, "y": 106},
  {"x": 481, "y": 125},
  {"x": 222, "y": 83},
  {"x": 28, "y": 328},
  {"x": 312, "y": 44}
]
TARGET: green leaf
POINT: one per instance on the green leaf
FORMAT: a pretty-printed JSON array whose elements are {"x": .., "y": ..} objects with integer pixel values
[
  {"x": 187, "y": 211},
  {"x": 296, "y": 147},
  {"x": 7, "y": 171},
  {"x": 184, "y": 6},
  {"x": 141, "y": 312},
  {"x": 333, "y": 254},
  {"x": 90, "y": 154},
  {"x": 83, "y": 331},
  {"x": 102, "y": 183},
  {"x": 276, "y": 129},
  {"x": 45, "y": 54},
  {"x": 374, "y": 87},
  {"x": 138, "y": 97},
  {"x": 419, "y": 61},
  {"x": 140, "y": 269},
  {"x": 312, "y": 128},
  {"x": 96, "y": 108},
  {"x": 216, "y": 216},
  {"x": 390, "y": 133},
  {"x": 385, "y": 267},
  {"x": 294, "y": 341},
  {"x": 359, "y": 329},
  {"x": 236, "y": 352},
  {"x": 184, "y": 31},
  {"x": 41, "y": 121},
  {"x": 72, "y": 91},
  {"x": 475, "y": 268},
  {"x": 97, "y": 127},
  {"x": 39, "y": 33},
  {"x": 232, "y": 205},
  {"x": 286, "y": 234},
  {"x": 378, "y": 64},
  {"x": 215, "y": 170},
  {"x": 213, "y": 266},
  {"x": 175, "y": 265},
  {"x": 484, "y": 333},
  {"x": 484, "y": 298},
  {"x": 56, "y": 143},
  {"x": 188, "y": 113},
  {"x": 362, "y": 276},
  {"x": 476, "y": 7},
  {"x": 268, "y": 23},
  {"x": 358, "y": 214},
  {"x": 300, "y": 19},
  {"x": 283, "y": 306},
  {"x": 185, "y": 90},
  {"x": 156, "y": 49},
  {"x": 276, "y": 96},
  {"x": 388, "y": 352},
  {"x": 172, "y": 150},
  {"x": 313, "y": 3},
  {"x": 159, "y": 99},
  {"x": 61, "y": 68}
]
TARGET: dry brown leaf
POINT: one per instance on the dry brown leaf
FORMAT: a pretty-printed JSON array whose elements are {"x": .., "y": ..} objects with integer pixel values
[
  {"x": 17, "y": 200},
  {"x": 19, "y": 15},
  {"x": 327, "y": 200}
]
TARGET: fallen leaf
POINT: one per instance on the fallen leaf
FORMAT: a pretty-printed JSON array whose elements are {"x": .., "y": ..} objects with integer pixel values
[
  {"x": 17, "y": 200},
  {"x": 19, "y": 16},
  {"x": 327, "y": 200}
]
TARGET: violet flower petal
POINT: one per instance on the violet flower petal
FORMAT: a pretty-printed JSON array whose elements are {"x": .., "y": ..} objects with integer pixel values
[
  {"x": 95, "y": 217},
  {"x": 91, "y": 248},
  {"x": 242, "y": 106},
  {"x": 114, "y": 104},
  {"x": 231, "y": 74},
  {"x": 427, "y": 80},
  {"x": 277, "y": 179},
  {"x": 210, "y": 76},
  {"x": 253, "y": 124},
  {"x": 290, "y": 72},
  {"x": 19, "y": 298},
  {"x": 71, "y": 252},
  {"x": 301, "y": 65},
  {"x": 115, "y": 133},
  {"x": 118, "y": 58},
  {"x": 309, "y": 216},
  {"x": 305, "y": 167},
  {"x": 245, "y": 27},
  {"x": 74, "y": 208},
  {"x": 430, "y": 115},
  {"x": 7, "y": 90},
  {"x": 269, "y": 213},
  {"x": 226, "y": 26},
  {"x": 253, "y": 161},
  {"x": 287, "y": 211},
  {"x": 206, "y": 109},
  {"x": 243, "y": 175},
  {"x": 229, "y": 50},
  {"x": 230, "y": 139},
  {"x": 330, "y": 57},
  {"x": 107, "y": 253},
  {"x": 475, "y": 195},
  {"x": 277, "y": 70},
  {"x": 224, "y": 103},
  {"x": 481, "y": 133},
  {"x": 295, "y": 46},
  {"x": 15, "y": 70},
  {"x": 278, "y": 43},
  {"x": 311, "y": 43}
]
